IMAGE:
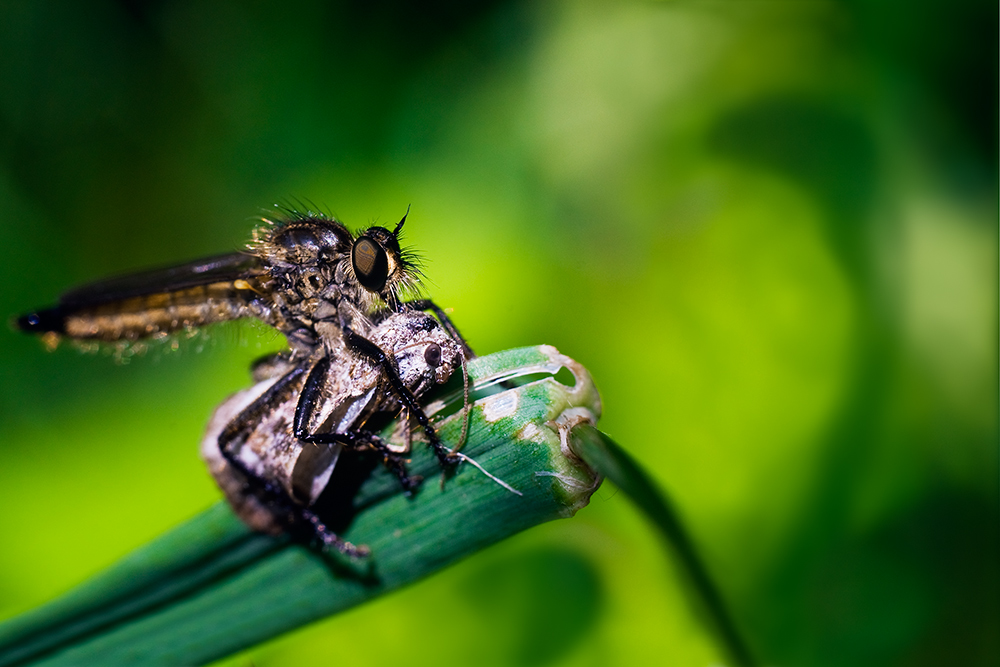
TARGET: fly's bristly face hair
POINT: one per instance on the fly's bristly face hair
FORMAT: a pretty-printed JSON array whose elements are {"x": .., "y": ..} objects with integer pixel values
[{"x": 381, "y": 266}]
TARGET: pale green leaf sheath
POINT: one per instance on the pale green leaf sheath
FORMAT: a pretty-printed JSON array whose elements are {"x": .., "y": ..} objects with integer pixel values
[{"x": 212, "y": 587}]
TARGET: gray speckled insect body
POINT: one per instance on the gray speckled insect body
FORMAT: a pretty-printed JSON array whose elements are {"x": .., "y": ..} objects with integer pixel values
[{"x": 284, "y": 467}]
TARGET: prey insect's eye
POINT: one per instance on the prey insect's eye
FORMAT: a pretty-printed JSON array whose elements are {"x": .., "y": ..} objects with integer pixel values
[
  {"x": 371, "y": 266},
  {"x": 432, "y": 355}
]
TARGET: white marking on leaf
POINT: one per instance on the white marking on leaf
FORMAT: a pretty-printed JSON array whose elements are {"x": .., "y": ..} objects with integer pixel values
[
  {"x": 500, "y": 406},
  {"x": 530, "y": 432}
]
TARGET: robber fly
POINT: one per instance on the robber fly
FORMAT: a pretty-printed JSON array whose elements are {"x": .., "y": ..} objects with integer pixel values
[{"x": 327, "y": 290}]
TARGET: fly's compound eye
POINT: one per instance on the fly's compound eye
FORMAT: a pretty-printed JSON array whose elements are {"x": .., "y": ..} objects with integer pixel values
[
  {"x": 432, "y": 355},
  {"x": 371, "y": 265}
]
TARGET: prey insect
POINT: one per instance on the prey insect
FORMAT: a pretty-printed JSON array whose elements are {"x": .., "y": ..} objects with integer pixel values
[
  {"x": 273, "y": 461},
  {"x": 332, "y": 294}
]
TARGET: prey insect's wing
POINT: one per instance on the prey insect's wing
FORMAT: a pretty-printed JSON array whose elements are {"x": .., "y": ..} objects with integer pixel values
[{"x": 155, "y": 302}]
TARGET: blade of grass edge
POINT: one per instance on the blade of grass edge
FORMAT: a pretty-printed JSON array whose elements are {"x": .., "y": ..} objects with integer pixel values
[{"x": 605, "y": 456}]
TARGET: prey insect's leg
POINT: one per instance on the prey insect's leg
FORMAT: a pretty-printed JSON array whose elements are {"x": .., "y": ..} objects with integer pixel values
[
  {"x": 331, "y": 539},
  {"x": 406, "y": 397},
  {"x": 427, "y": 304},
  {"x": 272, "y": 493},
  {"x": 354, "y": 438},
  {"x": 394, "y": 462},
  {"x": 244, "y": 423}
]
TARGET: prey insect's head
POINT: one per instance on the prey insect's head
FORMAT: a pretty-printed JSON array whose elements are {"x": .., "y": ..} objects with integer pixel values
[{"x": 424, "y": 353}]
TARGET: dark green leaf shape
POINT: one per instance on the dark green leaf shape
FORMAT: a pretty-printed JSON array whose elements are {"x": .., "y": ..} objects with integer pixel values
[
  {"x": 611, "y": 461},
  {"x": 212, "y": 587}
]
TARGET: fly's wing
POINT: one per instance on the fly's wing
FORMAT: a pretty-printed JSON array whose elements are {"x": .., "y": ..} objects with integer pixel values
[
  {"x": 157, "y": 302},
  {"x": 221, "y": 268}
]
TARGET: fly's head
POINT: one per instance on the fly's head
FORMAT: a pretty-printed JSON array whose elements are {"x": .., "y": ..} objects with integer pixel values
[{"x": 382, "y": 270}]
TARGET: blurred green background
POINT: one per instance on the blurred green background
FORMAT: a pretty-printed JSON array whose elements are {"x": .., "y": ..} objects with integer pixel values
[{"x": 769, "y": 229}]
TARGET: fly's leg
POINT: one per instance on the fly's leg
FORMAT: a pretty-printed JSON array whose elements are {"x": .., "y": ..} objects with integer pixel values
[
  {"x": 364, "y": 346},
  {"x": 427, "y": 304},
  {"x": 271, "y": 493},
  {"x": 354, "y": 438},
  {"x": 243, "y": 424}
]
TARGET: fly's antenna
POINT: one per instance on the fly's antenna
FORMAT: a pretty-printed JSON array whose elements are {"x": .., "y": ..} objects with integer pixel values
[{"x": 399, "y": 226}]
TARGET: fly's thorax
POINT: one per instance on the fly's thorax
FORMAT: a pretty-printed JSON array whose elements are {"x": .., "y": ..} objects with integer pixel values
[
  {"x": 301, "y": 256},
  {"x": 301, "y": 242}
]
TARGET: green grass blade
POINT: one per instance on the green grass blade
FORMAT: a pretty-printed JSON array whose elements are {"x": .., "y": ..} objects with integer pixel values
[
  {"x": 606, "y": 457},
  {"x": 211, "y": 587}
]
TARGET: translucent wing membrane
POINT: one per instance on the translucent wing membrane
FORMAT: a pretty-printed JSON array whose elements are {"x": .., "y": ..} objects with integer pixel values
[
  {"x": 153, "y": 302},
  {"x": 218, "y": 269}
]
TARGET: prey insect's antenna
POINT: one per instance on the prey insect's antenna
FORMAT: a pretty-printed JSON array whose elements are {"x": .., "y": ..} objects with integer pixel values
[
  {"x": 486, "y": 472},
  {"x": 465, "y": 404}
]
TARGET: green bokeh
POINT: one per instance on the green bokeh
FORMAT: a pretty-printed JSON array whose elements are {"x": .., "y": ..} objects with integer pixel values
[{"x": 768, "y": 229}]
